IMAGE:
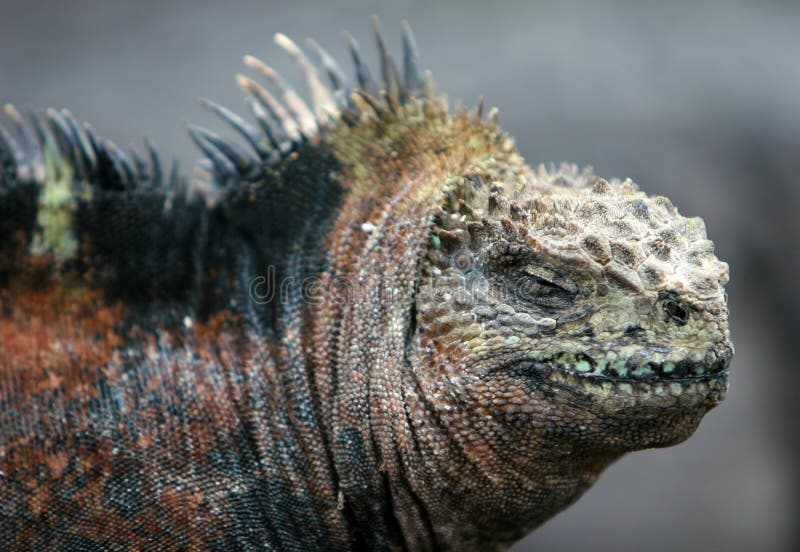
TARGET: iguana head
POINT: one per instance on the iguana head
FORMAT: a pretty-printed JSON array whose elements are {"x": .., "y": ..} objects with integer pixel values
[{"x": 568, "y": 310}]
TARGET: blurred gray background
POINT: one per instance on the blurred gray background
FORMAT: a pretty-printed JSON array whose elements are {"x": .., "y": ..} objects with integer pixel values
[{"x": 699, "y": 101}]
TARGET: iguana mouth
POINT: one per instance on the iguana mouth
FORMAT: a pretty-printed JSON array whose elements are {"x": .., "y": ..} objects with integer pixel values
[
  {"x": 688, "y": 385},
  {"x": 650, "y": 384},
  {"x": 640, "y": 368}
]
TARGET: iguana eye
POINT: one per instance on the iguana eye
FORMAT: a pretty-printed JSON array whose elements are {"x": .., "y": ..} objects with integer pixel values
[
  {"x": 675, "y": 311},
  {"x": 543, "y": 287}
]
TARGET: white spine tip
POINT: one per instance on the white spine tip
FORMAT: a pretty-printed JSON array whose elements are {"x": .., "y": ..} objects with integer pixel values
[{"x": 285, "y": 42}]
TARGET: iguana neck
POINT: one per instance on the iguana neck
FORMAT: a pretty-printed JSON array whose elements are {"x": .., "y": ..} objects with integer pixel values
[{"x": 361, "y": 319}]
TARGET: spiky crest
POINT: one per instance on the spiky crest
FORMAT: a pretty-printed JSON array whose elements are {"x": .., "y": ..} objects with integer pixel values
[{"x": 287, "y": 123}]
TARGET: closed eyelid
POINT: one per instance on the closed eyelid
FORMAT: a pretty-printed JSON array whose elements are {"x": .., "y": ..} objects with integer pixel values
[{"x": 550, "y": 276}]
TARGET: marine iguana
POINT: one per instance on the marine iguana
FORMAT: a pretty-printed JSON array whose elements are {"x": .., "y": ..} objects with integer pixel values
[{"x": 365, "y": 324}]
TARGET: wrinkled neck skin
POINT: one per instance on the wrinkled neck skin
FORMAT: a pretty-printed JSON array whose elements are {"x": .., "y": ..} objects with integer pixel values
[{"x": 416, "y": 459}]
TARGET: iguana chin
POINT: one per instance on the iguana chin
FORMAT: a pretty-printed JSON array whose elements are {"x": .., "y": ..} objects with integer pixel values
[{"x": 365, "y": 324}]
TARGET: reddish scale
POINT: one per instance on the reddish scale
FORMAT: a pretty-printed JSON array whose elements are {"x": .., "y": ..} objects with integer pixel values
[{"x": 56, "y": 335}]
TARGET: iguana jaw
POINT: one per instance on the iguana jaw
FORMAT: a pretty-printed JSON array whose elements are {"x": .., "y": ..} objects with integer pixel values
[{"x": 633, "y": 382}]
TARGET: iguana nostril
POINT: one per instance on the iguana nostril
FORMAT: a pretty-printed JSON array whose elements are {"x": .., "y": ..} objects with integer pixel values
[{"x": 676, "y": 311}]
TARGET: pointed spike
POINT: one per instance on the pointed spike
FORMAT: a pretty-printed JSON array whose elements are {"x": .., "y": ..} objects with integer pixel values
[
  {"x": 125, "y": 163},
  {"x": 222, "y": 165},
  {"x": 121, "y": 162},
  {"x": 349, "y": 115},
  {"x": 94, "y": 142},
  {"x": 5, "y": 148},
  {"x": 296, "y": 106},
  {"x": 142, "y": 175},
  {"x": 58, "y": 124},
  {"x": 391, "y": 102},
  {"x": 52, "y": 154},
  {"x": 413, "y": 79},
  {"x": 40, "y": 125},
  {"x": 235, "y": 121},
  {"x": 174, "y": 175},
  {"x": 32, "y": 146},
  {"x": 10, "y": 145},
  {"x": 493, "y": 116},
  {"x": 335, "y": 74},
  {"x": 84, "y": 150},
  {"x": 271, "y": 105},
  {"x": 174, "y": 191},
  {"x": 62, "y": 130},
  {"x": 64, "y": 138},
  {"x": 109, "y": 173},
  {"x": 479, "y": 109},
  {"x": 268, "y": 126},
  {"x": 363, "y": 75},
  {"x": 155, "y": 162},
  {"x": 388, "y": 69},
  {"x": 235, "y": 153},
  {"x": 359, "y": 96},
  {"x": 430, "y": 86},
  {"x": 322, "y": 100}
]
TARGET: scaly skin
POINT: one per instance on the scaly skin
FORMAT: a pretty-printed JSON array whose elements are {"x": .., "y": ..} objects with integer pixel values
[{"x": 372, "y": 327}]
